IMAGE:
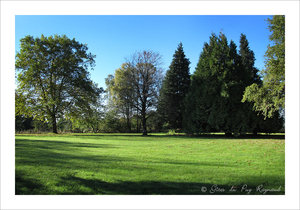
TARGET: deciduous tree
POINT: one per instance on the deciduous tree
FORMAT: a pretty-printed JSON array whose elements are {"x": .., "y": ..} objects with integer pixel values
[
  {"x": 146, "y": 78},
  {"x": 122, "y": 94},
  {"x": 269, "y": 97},
  {"x": 53, "y": 79}
]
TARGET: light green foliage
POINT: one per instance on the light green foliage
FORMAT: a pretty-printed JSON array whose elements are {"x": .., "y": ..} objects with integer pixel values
[
  {"x": 156, "y": 164},
  {"x": 269, "y": 97},
  {"x": 122, "y": 94},
  {"x": 172, "y": 132},
  {"x": 53, "y": 79}
]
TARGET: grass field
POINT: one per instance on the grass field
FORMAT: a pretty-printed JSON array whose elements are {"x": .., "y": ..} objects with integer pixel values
[{"x": 156, "y": 164}]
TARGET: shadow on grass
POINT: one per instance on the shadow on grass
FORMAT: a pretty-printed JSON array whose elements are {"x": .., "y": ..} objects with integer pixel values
[
  {"x": 69, "y": 155},
  {"x": 65, "y": 155},
  {"x": 48, "y": 144},
  {"x": 96, "y": 186},
  {"x": 71, "y": 185},
  {"x": 25, "y": 185}
]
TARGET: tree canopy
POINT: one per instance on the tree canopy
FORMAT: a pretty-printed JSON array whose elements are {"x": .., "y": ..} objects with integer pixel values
[
  {"x": 122, "y": 94},
  {"x": 269, "y": 97},
  {"x": 53, "y": 79},
  {"x": 146, "y": 78},
  {"x": 213, "y": 102}
]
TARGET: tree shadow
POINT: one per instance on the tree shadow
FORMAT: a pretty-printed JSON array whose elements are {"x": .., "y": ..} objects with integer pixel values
[
  {"x": 48, "y": 144},
  {"x": 62, "y": 154},
  {"x": 185, "y": 163},
  {"x": 97, "y": 186},
  {"x": 26, "y": 186},
  {"x": 73, "y": 185}
]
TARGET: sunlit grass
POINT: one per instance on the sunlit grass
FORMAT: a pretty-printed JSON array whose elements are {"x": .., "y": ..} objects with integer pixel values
[{"x": 156, "y": 164}]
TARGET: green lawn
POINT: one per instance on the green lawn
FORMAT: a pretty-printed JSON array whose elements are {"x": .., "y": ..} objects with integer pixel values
[{"x": 156, "y": 164}]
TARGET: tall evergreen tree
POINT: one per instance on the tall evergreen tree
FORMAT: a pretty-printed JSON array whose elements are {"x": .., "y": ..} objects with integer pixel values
[
  {"x": 249, "y": 72},
  {"x": 242, "y": 118},
  {"x": 174, "y": 89},
  {"x": 206, "y": 88}
]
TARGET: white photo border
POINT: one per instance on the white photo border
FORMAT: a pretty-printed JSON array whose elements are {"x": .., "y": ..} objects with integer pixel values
[{"x": 11, "y": 8}]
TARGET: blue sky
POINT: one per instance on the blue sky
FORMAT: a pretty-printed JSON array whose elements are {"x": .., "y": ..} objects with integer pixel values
[{"x": 113, "y": 38}]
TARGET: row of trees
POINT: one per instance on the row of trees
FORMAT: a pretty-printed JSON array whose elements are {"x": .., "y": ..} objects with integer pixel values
[
  {"x": 225, "y": 93},
  {"x": 213, "y": 102}
]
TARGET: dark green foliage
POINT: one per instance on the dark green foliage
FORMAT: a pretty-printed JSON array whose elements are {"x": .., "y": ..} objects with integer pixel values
[
  {"x": 251, "y": 120},
  {"x": 243, "y": 118},
  {"x": 152, "y": 125},
  {"x": 41, "y": 126},
  {"x": 174, "y": 89},
  {"x": 23, "y": 123},
  {"x": 249, "y": 72},
  {"x": 53, "y": 79},
  {"x": 111, "y": 122},
  {"x": 214, "y": 100},
  {"x": 195, "y": 118},
  {"x": 64, "y": 126},
  {"x": 207, "y": 101},
  {"x": 269, "y": 97},
  {"x": 274, "y": 124}
]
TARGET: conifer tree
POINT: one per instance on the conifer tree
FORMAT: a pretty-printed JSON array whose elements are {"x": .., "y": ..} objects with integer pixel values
[
  {"x": 214, "y": 100},
  {"x": 174, "y": 89},
  {"x": 205, "y": 89},
  {"x": 242, "y": 118}
]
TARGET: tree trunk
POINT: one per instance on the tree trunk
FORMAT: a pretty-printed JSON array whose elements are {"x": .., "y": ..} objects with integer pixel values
[
  {"x": 54, "y": 126},
  {"x": 137, "y": 118},
  {"x": 127, "y": 116},
  {"x": 137, "y": 124},
  {"x": 128, "y": 125},
  {"x": 144, "y": 120},
  {"x": 144, "y": 126}
]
